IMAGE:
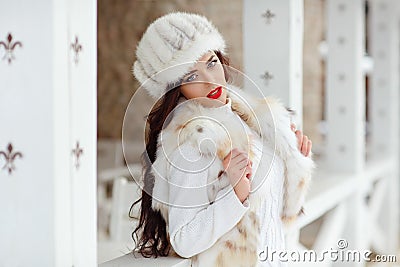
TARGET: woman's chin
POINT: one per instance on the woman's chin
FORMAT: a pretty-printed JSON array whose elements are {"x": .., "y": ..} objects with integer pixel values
[{"x": 210, "y": 102}]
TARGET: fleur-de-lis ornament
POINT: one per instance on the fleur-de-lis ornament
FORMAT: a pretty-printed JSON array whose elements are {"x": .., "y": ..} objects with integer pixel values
[
  {"x": 267, "y": 77},
  {"x": 9, "y": 46},
  {"x": 76, "y": 47},
  {"x": 269, "y": 16},
  {"x": 10, "y": 156},
  {"x": 77, "y": 152}
]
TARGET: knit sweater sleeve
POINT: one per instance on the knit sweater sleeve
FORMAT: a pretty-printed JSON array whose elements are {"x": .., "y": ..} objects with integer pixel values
[{"x": 195, "y": 223}]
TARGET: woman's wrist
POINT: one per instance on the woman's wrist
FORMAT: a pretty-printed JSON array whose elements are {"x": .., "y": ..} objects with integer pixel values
[{"x": 241, "y": 192}]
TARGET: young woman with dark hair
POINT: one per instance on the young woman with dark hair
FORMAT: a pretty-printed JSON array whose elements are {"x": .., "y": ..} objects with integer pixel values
[
  {"x": 223, "y": 170},
  {"x": 153, "y": 238}
]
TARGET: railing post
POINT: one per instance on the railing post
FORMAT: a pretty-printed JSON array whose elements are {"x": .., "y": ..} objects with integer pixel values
[
  {"x": 345, "y": 86},
  {"x": 384, "y": 105},
  {"x": 345, "y": 108},
  {"x": 273, "y": 49}
]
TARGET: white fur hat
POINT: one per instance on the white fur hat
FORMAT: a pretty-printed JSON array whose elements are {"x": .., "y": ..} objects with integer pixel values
[{"x": 170, "y": 47}]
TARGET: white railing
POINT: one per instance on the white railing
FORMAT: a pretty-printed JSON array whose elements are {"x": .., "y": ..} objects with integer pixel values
[{"x": 356, "y": 190}]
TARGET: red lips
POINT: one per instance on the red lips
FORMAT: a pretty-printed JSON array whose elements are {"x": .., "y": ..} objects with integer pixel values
[{"x": 214, "y": 94}]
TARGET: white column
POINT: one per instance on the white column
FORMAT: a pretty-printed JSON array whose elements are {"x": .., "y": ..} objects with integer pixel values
[
  {"x": 273, "y": 50},
  {"x": 82, "y": 62},
  {"x": 345, "y": 86},
  {"x": 384, "y": 104},
  {"x": 345, "y": 108},
  {"x": 62, "y": 149},
  {"x": 27, "y": 195},
  {"x": 384, "y": 86},
  {"x": 47, "y": 207}
]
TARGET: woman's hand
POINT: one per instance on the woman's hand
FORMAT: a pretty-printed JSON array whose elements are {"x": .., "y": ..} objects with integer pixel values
[
  {"x": 238, "y": 168},
  {"x": 304, "y": 144}
]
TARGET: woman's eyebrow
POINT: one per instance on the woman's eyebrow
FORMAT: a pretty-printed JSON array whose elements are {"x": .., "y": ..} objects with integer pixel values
[{"x": 212, "y": 56}]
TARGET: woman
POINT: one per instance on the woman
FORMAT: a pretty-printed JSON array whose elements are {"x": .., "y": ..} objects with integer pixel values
[{"x": 222, "y": 169}]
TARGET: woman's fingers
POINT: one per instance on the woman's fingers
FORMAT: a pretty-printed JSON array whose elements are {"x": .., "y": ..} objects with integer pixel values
[
  {"x": 293, "y": 127},
  {"x": 309, "y": 145},
  {"x": 232, "y": 154},
  {"x": 243, "y": 167},
  {"x": 227, "y": 158},
  {"x": 235, "y": 156},
  {"x": 237, "y": 165},
  {"x": 304, "y": 145},
  {"x": 242, "y": 161},
  {"x": 248, "y": 172},
  {"x": 299, "y": 136}
]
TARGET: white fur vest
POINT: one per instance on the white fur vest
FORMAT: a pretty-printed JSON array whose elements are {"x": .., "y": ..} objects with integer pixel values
[{"x": 193, "y": 123}]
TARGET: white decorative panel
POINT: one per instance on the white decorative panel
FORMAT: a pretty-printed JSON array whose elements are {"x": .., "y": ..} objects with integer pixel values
[
  {"x": 26, "y": 119},
  {"x": 345, "y": 86},
  {"x": 384, "y": 93},
  {"x": 47, "y": 104},
  {"x": 273, "y": 49},
  {"x": 384, "y": 106},
  {"x": 82, "y": 86},
  {"x": 62, "y": 137}
]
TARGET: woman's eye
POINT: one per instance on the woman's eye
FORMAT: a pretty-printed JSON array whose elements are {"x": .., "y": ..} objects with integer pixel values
[
  {"x": 191, "y": 77},
  {"x": 212, "y": 63}
]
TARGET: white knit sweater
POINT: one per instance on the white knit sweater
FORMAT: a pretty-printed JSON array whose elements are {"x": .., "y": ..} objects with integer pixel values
[{"x": 193, "y": 230}]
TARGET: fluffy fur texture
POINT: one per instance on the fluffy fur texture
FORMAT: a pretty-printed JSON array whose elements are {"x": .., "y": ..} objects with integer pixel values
[
  {"x": 194, "y": 123},
  {"x": 170, "y": 46}
]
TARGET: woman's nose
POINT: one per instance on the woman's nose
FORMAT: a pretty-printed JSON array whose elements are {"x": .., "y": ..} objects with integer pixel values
[{"x": 209, "y": 78}]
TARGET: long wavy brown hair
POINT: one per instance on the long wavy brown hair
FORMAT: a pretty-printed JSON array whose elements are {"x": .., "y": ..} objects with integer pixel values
[{"x": 150, "y": 236}]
